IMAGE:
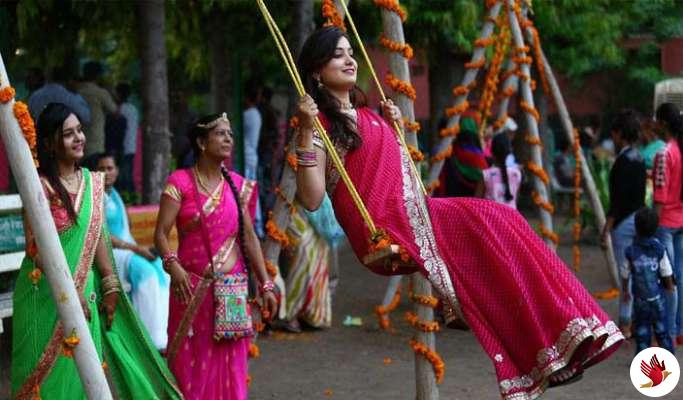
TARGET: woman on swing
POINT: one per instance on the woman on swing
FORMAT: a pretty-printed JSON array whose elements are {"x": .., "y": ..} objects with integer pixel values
[{"x": 531, "y": 315}]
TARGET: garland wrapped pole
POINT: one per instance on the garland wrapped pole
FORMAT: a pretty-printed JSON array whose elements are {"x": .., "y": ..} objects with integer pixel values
[
  {"x": 510, "y": 87},
  {"x": 54, "y": 265},
  {"x": 527, "y": 104},
  {"x": 461, "y": 98},
  {"x": 589, "y": 183},
  {"x": 392, "y": 23}
]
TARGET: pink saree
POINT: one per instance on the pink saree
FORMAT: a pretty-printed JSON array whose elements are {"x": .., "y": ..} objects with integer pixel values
[
  {"x": 526, "y": 308},
  {"x": 203, "y": 367}
]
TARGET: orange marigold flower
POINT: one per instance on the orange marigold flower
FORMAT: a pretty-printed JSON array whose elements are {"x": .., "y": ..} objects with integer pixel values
[
  {"x": 392, "y": 5},
  {"x": 276, "y": 234},
  {"x": 424, "y": 326},
  {"x": 452, "y": 131},
  {"x": 538, "y": 200},
  {"x": 291, "y": 160},
  {"x": 383, "y": 312},
  {"x": 254, "y": 351},
  {"x": 530, "y": 109},
  {"x": 538, "y": 171},
  {"x": 25, "y": 121},
  {"x": 429, "y": 301},
  {"x": 443, "y": 155},
  {"x": 549, "y": 234},
  {"x": 401, "y": 86},
  {"x": 484, "y": 42},
  {"x": 476, "y": 64},
  {"x": 294, "y": 122},
  {"x": 411, "y": 126},
  {"x": 271, "y": 269},
  {"x": 387, "y": 360},
  {"x": 328, "y": 392},
  {"x": 34, "y": 275},
  {"x": 396, "y": 47},
  {"x": 533, "y": 140},
  {"x": 460, "y": 90},
  {"x": 415, "y": 153},
  {"x": 457, "y": 109},
  {"x": 432, "y": 356},
  {"x": 6, "y": 94},
  {"x": 69, "y": 344},
  {"x": 331, "y": 14}
]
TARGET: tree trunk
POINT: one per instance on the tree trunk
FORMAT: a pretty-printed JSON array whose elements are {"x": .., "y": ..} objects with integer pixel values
[
  {"x": 302, "y": 27},
  {"x": 154, "y": 81},
  {"x": 445, "y": 71},
  {"x": 55, "y": 266},
  {"x": 220, "y": 67}
]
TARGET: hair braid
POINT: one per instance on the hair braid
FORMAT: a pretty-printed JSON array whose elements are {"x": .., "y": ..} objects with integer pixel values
[{"x": 242, "y": 237}]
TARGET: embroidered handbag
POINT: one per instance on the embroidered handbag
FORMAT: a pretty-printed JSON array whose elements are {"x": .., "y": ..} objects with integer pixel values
[{"x": 232, "y": 313}]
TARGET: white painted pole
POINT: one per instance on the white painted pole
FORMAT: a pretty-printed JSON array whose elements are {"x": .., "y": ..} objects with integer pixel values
[{"x": 54, "y": 262}]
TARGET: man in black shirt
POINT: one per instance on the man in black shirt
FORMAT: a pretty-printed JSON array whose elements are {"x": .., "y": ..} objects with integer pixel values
[{"x": 626, "y": 196}]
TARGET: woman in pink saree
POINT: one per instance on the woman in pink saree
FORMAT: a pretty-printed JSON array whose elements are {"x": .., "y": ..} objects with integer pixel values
[
  {"x": 534, "y": 319},
  {"x": 206, "y": 368}
]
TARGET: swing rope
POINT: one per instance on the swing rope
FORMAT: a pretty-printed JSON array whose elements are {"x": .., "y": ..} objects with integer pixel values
[
  {"x": 286, "y": 54},
  {"x": 397, "y": 129}
]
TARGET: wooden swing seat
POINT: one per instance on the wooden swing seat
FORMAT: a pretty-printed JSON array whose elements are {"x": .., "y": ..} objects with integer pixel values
[{"x": 387, "y": 261}]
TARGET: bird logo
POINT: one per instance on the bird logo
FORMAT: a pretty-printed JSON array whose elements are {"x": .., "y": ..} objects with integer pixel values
[{"x": 656, "y": 372}]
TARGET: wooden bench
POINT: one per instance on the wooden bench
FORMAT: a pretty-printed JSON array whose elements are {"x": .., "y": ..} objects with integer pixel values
[{"x": 12, "y": 242}]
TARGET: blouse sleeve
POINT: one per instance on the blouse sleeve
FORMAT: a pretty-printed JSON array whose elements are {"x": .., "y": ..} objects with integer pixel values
[
  {"x": 659, "y": 177},
  {"x": 172, "y": 189}
]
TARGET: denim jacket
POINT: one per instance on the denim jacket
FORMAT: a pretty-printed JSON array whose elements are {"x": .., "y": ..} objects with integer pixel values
[{"x": 645, "y": 264}]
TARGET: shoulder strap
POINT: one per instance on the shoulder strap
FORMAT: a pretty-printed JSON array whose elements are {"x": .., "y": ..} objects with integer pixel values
[{"x": 205, "y": 234}]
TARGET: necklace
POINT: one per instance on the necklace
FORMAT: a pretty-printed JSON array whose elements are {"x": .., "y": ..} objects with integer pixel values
[
  {"x": 215, "y": 198},
  {"x": 345, "y": 106},
  {"x": 71, "y": 181}
]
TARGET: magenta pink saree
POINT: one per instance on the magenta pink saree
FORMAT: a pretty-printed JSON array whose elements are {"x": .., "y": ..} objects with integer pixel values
[
  {"x": 203, "y": 367},
  {"x": 526, "y": 308}
]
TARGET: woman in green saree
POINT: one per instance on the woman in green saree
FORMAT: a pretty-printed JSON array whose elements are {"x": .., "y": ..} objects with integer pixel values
[{"x": 42, "y": 354}]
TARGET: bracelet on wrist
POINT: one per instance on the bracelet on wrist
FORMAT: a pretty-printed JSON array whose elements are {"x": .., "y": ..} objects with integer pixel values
[
  {"x": 268, "y": 286},
  {"x": 168, "y": 258}
]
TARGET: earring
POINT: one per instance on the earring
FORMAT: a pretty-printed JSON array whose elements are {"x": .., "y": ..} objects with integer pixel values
[
  {"x": 320, "y": 84},
  {"x": 202, "y": 149}
]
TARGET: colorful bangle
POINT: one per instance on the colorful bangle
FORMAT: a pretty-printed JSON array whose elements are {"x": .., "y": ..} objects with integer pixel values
[
  {"x": 167, "y": 258},
  {"x": 268, "y": 286},
  {"x": 306, "y": 157}
]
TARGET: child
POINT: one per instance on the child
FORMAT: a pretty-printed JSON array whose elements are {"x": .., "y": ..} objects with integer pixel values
[
  {"x": 501, "y": 182},
  {"x": 650, "y": 269}
]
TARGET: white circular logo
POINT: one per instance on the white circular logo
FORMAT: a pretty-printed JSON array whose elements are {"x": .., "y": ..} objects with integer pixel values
[{"x": 655, "y": 372}]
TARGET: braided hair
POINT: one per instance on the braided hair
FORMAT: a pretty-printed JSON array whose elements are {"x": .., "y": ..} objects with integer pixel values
[
  {"x": 49, "y": 132},
  {"x": 195, "y": 133},
  {"x": 501, "y": 147}
]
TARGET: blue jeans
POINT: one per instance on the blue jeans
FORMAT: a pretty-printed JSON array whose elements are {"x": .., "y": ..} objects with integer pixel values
[
  {"x": 648, "y": 315},
  {"x": 622, "y": 237},
  {"x": 672, "y": 239}
]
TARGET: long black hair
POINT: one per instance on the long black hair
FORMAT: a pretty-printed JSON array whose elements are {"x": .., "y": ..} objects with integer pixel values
[
  {"x": 198, "y": 132},
  {"x": 670, "y": 115},
  {"x": 501, "y": 148},
  {"x": 318, "y": 49},
  {"x": 49, "y": 136}
]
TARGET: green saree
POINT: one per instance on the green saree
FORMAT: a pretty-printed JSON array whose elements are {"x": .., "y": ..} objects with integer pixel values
[{"x": 42, "y": 366}]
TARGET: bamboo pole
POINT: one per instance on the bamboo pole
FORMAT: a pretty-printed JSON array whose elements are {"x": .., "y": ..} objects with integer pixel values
[
  {"x": 470, "y": 76},
  {"x": 589, "y": 183},
  {"x": 425, "y": 379},
  {"x": 54, "y": 262},
  {"x": 532, "y": 125},
  {"x": 511, "y": 82}
]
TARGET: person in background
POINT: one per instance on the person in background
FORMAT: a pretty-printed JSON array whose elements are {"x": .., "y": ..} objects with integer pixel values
[
  {"x": 130, "y": 113},
  {"x": 100, "y": 103},
  {"x": 650, "y": 142},
  {"x": 55, "y": 91},
  {"x": 668, "y": 202},
  {"x": 648, "y": 266},
  {"x": 251, "y": 119},
  {"x": 563, "y": 165},
  {"x": 464, "y": 169},
  {"x": 501, "y": 181},
  {"x": 140, "y": 270},
  {"x": 626, "y": 195},
  {"x": 270, "y": 151}
]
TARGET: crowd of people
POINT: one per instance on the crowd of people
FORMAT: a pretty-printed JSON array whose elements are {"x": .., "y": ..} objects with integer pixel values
[{"x": 177, "y": 323}]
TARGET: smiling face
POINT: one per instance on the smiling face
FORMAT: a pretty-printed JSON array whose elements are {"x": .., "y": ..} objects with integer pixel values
[
  {"x": 70, "y": 147},
  {"x": 218, "y": 142},
  {"x": 339, "y": 73}
]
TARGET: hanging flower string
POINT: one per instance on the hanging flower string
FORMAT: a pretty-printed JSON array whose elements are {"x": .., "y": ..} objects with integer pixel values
[
  {"x": 433, "y": 357},
  {"x": 24, "y": 119},
  {"x": 382, "y": 312},
  {"x": 401, "y": 86},
  {"x": 492, "y": 75},
  {"x": 424, "y": 326},
  {"x": 392, "y": 5},
  {"x": 576, "y": 251},
  {"x": 332, "y": 16},
  {"x": 276, "y": 233},
  {"x": 402, "y": 48}
]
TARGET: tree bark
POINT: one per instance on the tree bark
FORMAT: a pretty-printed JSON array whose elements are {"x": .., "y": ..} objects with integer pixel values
[
  {"x": 155, "y": 121},
  {"x": 220, "y": 66},
  {"x": 55, "y": 266}
]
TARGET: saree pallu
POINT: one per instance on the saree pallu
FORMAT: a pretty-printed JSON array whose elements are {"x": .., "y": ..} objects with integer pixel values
[
  {"x": 144, "y": 281},
  {"x": 206, "y": 368},
  {"x": 42, "y": 366},
  {"x": 527, "y": 309},
  {"x": 308, "y": 292}
]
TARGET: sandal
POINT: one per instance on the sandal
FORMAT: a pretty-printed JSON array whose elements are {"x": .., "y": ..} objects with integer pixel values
[{"x": 555, "y": 380}]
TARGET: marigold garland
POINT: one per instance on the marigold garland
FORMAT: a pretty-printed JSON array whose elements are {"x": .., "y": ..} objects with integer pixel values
[
  {"x": 271, "y": 269},
  {"x": 476, "y": 64},
  {"x": 460, "y": 90},
  {"x": 530, "y": 109},
  {"x": 392, "y": 5},
  {"x": 383, "y": 312},
  {"x": 433, "y": 186},
  {"x": 292, "y": 207},
  {"x": 332, "y": 16},
  {"x": 533, "y": 140},
  {"x": 427, "y": 301},
  {"x": 24, "y": 120},
  {"x": 452, "y": 131},
  {"x": 457, "y": 109},
  {"x": 291, "y": 160},
  {"x": 34, "y": 275},
  {"x": 538, "y": 171},
  {"x": 411, "y": 126},
  {"x": 549, "y": 234},
  {"x": 443, "y": 155},
  {"x": 69, "y": 344},
  {"x": 484, "y": 42},
  {"x": 402, "y": 48},
  {"x": 508, "y": 92},
  {"x": 415, "y": 153},
  {"x": 6, "y": 94},
  {"x": 276, "y": 234},
  {"x": 254, "y": 351},
  {"x": 520, "y": 50},
  {"x": 492, "y": 75},
  {"x": 609, "y": 294},
  {"x": 538, "y": 200},
  {"x": 294, "y": 122},
  {"x": 424, "y": 326},
  {"x": 431, "y": 356},
  {"x": 401, "y": 86}
]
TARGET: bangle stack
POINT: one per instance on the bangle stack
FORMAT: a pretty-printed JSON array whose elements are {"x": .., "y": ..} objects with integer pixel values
[
  {"x": 268, "y": 286},
  {"x": 306, "y": 157},
  {"x": 168, "y": 258},
  {"x": 110, "y": 284}
]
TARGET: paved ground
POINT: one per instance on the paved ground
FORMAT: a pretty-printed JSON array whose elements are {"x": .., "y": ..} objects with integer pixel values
[{"x": 348, "y": 362}]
